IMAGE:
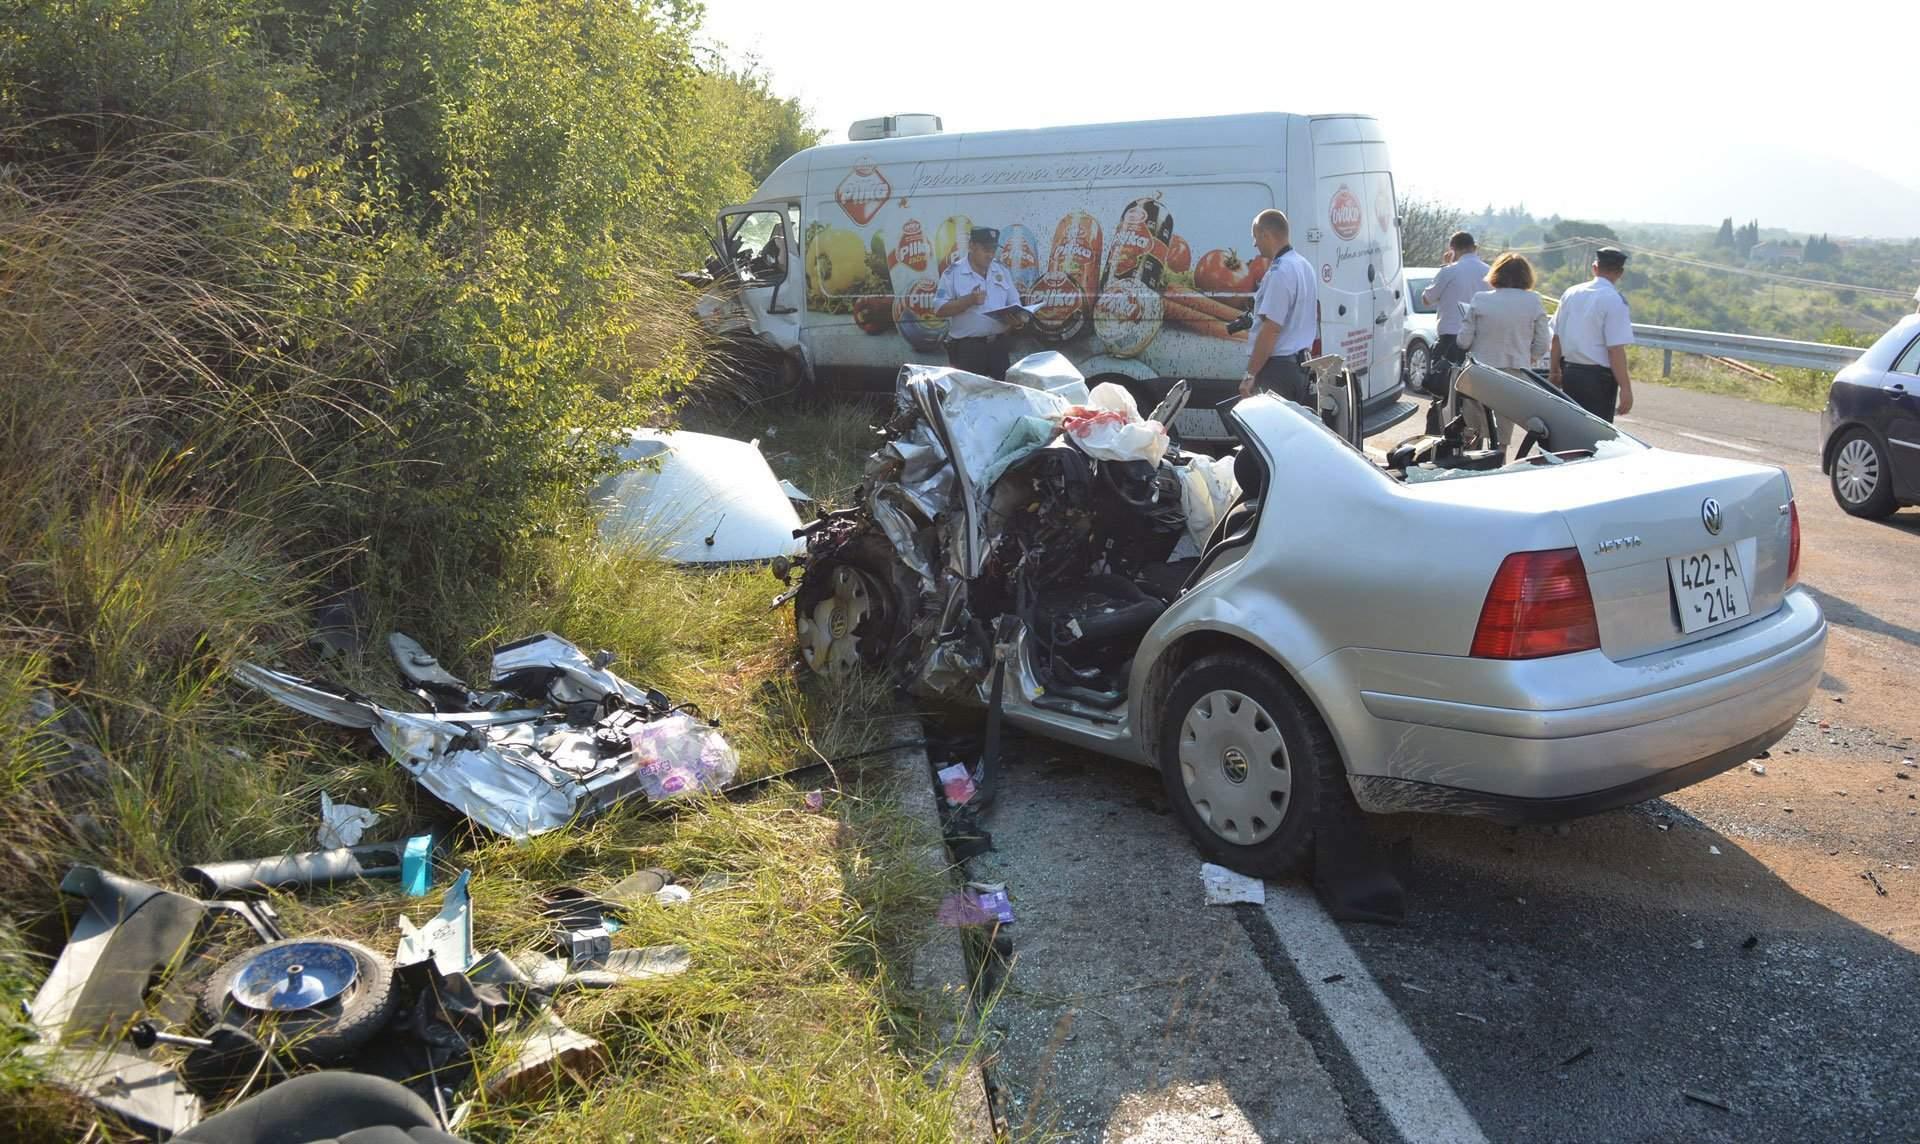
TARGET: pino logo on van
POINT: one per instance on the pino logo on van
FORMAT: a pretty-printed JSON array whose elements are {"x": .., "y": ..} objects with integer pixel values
[
  {"x": 1343, "y": 214},
  {"x": 862, "y": 193}
]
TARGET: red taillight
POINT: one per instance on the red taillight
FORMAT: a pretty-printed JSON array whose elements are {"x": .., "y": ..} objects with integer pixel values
[
  {"x": 1539, "y": 605},
  {"x": 1316, "y": 329},
  {"x": 1793, "y": 545}
]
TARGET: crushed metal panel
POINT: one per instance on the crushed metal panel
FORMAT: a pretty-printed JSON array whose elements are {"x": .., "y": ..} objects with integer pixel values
[{"x": 697, "y": 499}]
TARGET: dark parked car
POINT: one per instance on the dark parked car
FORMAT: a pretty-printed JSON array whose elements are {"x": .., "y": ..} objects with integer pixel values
[{"x": 1872, "y": 426}]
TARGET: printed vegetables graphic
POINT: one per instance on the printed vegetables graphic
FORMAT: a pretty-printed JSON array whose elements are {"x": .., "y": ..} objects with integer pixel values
[
  {"x": 1221, "y": 272},
  {"x": 836, "y": 261}
]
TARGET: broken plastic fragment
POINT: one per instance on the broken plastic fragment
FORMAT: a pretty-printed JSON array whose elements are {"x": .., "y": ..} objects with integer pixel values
[{"x": 447, "y": 937}]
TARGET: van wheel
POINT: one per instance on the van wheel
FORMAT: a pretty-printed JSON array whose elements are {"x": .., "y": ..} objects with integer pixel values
[
  {"x": 1862, "y": 480},
  {"x": 1248, "y": 764}
]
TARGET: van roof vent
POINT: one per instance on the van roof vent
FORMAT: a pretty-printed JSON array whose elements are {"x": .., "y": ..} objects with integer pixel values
[{"x": 893, "y": 127}]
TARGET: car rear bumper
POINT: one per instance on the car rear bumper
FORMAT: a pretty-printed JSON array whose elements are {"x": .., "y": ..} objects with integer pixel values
[{"x": 1648, "y": 726}]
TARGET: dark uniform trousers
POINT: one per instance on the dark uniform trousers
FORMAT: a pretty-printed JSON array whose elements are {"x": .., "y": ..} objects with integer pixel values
[
  {"x": 1286, "y": 376},
  {"x": 1446, "y": 353},
  {"x": 1592, "y": 388},
  {"x": 987, "y": 357}
]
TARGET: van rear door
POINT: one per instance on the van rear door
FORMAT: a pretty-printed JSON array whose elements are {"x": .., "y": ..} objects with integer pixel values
[{"x": 1358, "y": 255}]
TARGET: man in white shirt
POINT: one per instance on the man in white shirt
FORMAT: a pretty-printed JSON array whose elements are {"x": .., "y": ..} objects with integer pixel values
[
  {"x": 1285, "y": 318},
  {"x": 1461, "y": 277},
  {"x": 969, "y": 291},
  {"x": 1591, "y": 333}
]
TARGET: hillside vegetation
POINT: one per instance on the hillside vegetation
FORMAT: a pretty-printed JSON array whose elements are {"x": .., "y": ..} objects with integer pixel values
[{"x": 338, "y": 301}]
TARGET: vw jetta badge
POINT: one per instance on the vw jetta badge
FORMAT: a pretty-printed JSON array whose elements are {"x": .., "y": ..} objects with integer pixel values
[{"x": 1710, "y": 516}]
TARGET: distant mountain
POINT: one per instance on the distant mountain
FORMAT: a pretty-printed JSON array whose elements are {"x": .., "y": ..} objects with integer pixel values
[{"x": 1780, "y": 187}]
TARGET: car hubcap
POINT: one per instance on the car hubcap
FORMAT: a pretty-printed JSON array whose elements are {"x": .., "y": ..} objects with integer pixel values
[
  {"x": 1234, "y": 765},
  {"x": 1857, "y": 471},
  {"x": 829, "y": 633},
  {"x": 1417, "y": 362}
]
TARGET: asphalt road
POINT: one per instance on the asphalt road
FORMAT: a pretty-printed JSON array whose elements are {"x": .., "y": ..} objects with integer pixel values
[{"x": 1716, "y": 965}]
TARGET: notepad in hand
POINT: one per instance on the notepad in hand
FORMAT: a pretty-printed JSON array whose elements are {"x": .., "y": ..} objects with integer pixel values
[{"x": 1006, "y": 313}]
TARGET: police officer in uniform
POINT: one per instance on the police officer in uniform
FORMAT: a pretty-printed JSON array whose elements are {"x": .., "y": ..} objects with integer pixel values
[
  {"x": 971, "y": 289},
  {"x": 1285, "y": 321},
  {"x": 1591, "y": 333}
]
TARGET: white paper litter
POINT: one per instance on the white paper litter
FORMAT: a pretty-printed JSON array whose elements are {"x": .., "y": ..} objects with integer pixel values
[
  {"x": 1224, "y": 887},
  {"x": 342, "y": 824}
]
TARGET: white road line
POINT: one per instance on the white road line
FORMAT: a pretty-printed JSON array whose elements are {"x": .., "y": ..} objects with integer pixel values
[
  {"x": 1715, "y": 441},
  {"x": 1411, "y": 1090},
  {"x": 1701, "y": 437}
]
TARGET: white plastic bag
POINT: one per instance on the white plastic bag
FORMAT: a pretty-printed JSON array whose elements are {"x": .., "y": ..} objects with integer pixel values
[
  {"x": 679, "y": 755},
  {"x": 1109, "y": 427}
]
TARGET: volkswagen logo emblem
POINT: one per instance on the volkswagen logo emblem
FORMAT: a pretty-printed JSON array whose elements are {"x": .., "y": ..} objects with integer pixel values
[{"x": 1710, "y": 516}]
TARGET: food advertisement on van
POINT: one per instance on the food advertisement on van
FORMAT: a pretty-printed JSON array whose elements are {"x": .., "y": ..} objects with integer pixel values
[
  {"x": 1108, "y": 281},
  {"x": 1151, "y": 275}
]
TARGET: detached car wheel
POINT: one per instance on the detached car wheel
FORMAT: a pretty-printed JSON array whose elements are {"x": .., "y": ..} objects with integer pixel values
[
  {"x": 1862, "y": 479},
  {"x": 1248, "y": 764}
]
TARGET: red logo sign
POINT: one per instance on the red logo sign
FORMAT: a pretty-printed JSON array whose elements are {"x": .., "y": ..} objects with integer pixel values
[
  {"x": 913, "y": 250},
  {"x": 862, "y": 193},
  {"x": 1343, "y": 214}
]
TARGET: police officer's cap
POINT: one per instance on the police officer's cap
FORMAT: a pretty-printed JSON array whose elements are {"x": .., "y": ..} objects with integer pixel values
[
  {"x": 1610, "y": 258},
  {"x": 984, "y": 235}
]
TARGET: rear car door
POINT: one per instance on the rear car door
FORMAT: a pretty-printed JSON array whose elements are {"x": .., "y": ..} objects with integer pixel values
[{"x": 1902, "y": 384}]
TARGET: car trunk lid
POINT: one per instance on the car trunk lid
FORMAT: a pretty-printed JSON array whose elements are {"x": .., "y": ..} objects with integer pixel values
[
  {"x": 1678, "y": 548},
  {"x": 1632, "y": 510}
]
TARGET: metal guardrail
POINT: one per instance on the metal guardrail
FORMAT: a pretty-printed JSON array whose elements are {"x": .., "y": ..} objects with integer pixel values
[{"x": 1745, "y": 347}]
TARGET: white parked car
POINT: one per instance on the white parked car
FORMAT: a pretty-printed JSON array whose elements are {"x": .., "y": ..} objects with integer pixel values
[{"x": 1422, "y": 326}]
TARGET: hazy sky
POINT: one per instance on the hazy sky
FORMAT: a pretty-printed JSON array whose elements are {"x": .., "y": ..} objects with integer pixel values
[{"x": 1628, "y": 110}]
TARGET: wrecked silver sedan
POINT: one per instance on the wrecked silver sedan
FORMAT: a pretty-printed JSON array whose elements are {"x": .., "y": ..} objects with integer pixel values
[{"x": 1594, "y": 622}]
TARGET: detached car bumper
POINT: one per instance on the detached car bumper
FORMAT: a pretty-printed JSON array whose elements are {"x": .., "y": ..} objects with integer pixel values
[{"x": 1534, "y": 751}]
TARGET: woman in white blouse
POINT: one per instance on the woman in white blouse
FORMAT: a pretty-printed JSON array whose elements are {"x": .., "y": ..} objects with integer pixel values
[{"x": 1506, "y": 327}]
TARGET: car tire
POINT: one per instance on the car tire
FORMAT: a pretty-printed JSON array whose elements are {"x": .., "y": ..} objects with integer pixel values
[
  {"x": 1861, "y": 477},
  {"x": 1413, "y": 366},
  {"x": 853, "y": 607},
  {"x": 1223, "y": 783}
]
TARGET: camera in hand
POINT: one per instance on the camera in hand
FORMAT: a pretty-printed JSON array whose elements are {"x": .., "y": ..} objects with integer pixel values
[{"x": 1241, "y": 324}]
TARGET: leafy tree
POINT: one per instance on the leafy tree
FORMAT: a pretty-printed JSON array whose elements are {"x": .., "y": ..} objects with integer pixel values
[
  {"x": 1425, "y": 226},
  {"x": 1725, "y": 238}
]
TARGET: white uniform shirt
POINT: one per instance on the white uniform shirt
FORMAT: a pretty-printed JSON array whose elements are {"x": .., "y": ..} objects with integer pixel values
[
  {"x": 1454, "y": 286},
  {"x": 1592, "y": 317},
  {"x": 1286, "y": 296},
  {"x": 960, "y": 281}
]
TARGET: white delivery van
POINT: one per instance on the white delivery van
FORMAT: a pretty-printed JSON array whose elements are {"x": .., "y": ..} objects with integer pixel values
[{"x": 1133, "y": 237}]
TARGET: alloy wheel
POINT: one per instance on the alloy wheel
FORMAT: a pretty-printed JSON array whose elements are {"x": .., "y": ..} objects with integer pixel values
[{"x": 1857, "y": 471}]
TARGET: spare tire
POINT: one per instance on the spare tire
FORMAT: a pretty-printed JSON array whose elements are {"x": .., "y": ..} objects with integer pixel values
[{"x": 324, "y": 1033}]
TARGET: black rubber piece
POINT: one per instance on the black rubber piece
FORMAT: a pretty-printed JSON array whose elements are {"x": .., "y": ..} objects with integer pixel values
[
  {"x": 324, "y": 1034},
  {"x": 1319, "y": 778}
]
